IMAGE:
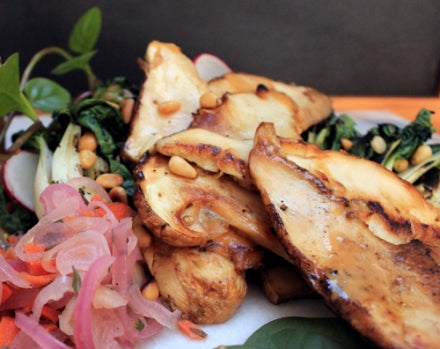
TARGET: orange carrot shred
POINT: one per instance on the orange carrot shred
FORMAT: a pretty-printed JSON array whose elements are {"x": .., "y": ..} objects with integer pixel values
[
  {"x": 33, "y": 248},
  {"x": 8, "y": 330},
  {"x": 12, "y": 239},
  {"x": 37, "y": 280},
  {"x": 191, "y": 330},
  {"x": 119, "y": 209},
  {"x": 50, "y": 313},
  {"x": 96, "y": 197}
]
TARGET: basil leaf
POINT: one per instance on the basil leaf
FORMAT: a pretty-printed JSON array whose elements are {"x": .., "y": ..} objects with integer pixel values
[
  {"x": 11, "y": 97},
  {"x": 79, "y": 62},
  {"x": 86, "y": 31},
  {"x": 313, "y": 333},
  {"x": 46, "y": 95}
]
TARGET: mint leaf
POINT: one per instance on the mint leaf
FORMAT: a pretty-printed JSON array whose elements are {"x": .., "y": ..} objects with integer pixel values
[
  {"x": 79, "y": 62},
  {"x": 86, "y": 31},
  {"x": 11, "y": 97},
  {"x": 46, "y": 95}
]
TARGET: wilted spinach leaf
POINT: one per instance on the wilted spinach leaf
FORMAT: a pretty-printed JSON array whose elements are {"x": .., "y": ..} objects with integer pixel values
[{"x": 305, "y": 333}]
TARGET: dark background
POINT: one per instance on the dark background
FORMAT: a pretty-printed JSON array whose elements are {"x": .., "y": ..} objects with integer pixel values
[{"x": 375, "y": 47}]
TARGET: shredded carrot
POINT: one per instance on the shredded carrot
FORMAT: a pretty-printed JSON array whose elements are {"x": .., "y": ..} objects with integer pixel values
[
  {"x": 37, "y": 280},
  {"x": 119, "y": 209},
  {"x": 50, "y": 313},
  {"x": 6, "y": 292},
  {"x": 36, "y": 268},
  {"x": 8, "y": 330},
  {"x": 31, "y": 247},
  {"x": 88, "y": 213},
  {"x": 191, "y": 330},
  {"x": 2, "y": 252},
  {"x": 96, "y": 197},
  {"x": 12, "y": 239},
  {"x": 10, "y": 253}
]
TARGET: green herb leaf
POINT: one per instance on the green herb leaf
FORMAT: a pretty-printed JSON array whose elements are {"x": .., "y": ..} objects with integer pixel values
[
  {"x": 86, "y": 31},
  {"x": 304, "y": 333},
  {"x": 76, "y": 281},
  {"x": 139, "y": 325},
  {"x": 11, "y": 97},
  {"x": 46, "y": 95},
  {"x": 79, "y": 62}
]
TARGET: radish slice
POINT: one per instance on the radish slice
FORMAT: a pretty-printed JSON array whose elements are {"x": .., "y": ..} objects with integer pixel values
[
  {"x": 18, "y": 177},
  {"x": 210, "y": 66}
]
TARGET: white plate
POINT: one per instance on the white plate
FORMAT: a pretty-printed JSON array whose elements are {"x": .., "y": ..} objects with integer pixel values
[{"x": 256, "y": 310}]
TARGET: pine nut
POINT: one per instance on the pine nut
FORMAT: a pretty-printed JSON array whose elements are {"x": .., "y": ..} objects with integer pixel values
[
  {"x": 110, "y": 180},
  {"x": 87, "y": 158},
  {"x": 180, "y": 167},
  {"x": 151, "y": 291},
  {"x": 346, "y": 144},
  {"x": 378, "y": 144},
  {"x": 127, "y": 109},
  {"x": 143, "y": 236},
  {"x": 119, "y": 194},
  {"x": 88, "y": 141},
  {"x": 209, "y": 100},
  {"x": 422, "y": 153},
  {"x": 168, "y": 108},
  {"x": 400, "y": 165}
]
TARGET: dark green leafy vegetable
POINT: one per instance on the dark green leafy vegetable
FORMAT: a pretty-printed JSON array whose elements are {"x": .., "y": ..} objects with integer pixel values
[
  {"x": 329, "y": 133},
  {"x": 16, "y": 219},
  {"x": 305, "y": 333},
  {"x": 413, "y": 135}
]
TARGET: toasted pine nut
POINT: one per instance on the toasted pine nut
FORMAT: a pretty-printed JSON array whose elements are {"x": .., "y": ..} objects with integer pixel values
[
  {"x": 143, "y": 236},
  {"x": 422, "y": 153},
  {"x": 119, "y": 194},
  {"x": 400, "y": 165},
  {"x": 110, "y": 180},
  {"x": 87, "y": 141},
  {"x": 209, "y": 100},
  {"x": 87, "y": 158},
  {"x": 346, "y": 144},
  {"x": 168, "y": 108},
  {"x": 151, "y": 291},
  {"x": 180, "y": 167},
  {"x": 378, "y": 144},
  {"x": 113, "y": 104},
  {"x": 127, "y": 109}
]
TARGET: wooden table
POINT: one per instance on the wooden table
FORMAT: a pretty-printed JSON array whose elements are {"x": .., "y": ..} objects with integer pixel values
[{"x": 407, "y": 107}]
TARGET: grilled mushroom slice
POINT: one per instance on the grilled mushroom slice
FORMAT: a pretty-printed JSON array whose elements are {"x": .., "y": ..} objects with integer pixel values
[
  {"x": 388, "y": 290},
  {"x": 314, "y": 106},
  {"x": 204, "y": 285},
  {"x": 210, "y": 151},
  {"x": 169, "y": 95},
  {"x": 193, "y": 211},
  {"x": 239, "y": 114}
]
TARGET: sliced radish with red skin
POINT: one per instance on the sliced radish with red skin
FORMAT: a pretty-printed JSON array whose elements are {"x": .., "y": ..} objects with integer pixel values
[
  {"x": 210, "y": 66},
  {"x": 18, "y": 175}
]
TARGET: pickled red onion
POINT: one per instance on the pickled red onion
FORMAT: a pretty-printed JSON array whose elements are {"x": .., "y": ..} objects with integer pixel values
[
  {"x": 38, "y": 333},
  {"x": 82, "y": 328}
]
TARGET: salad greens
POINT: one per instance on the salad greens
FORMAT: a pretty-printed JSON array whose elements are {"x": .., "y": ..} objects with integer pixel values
[
  {"x": 304, "y": 333},
  {"x": 393, "y": 147},
  {"x": 97, "y": 110}
]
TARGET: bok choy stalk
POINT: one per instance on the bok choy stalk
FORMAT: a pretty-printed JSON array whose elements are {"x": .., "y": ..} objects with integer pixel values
[
  {"x": 413, "y": 135},
  {"x": 43, "y": 174},
  {"x": 65, "y": 162}
]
